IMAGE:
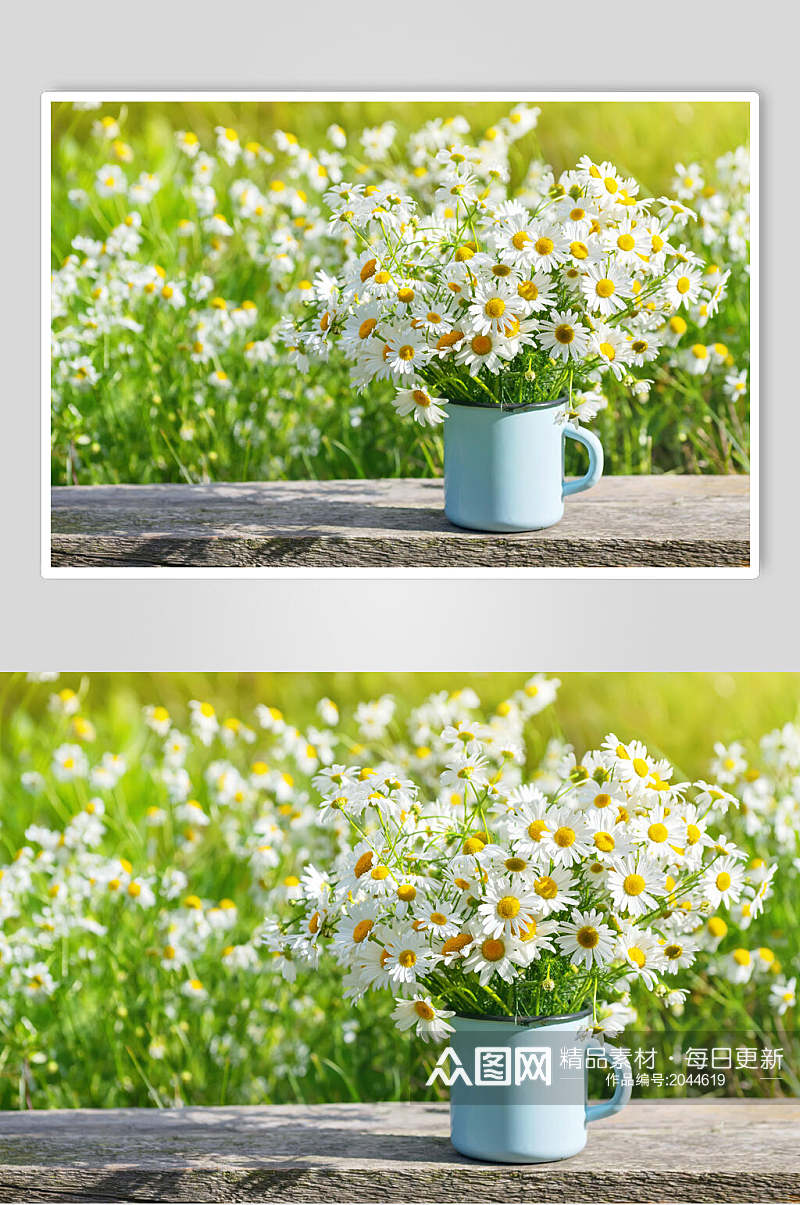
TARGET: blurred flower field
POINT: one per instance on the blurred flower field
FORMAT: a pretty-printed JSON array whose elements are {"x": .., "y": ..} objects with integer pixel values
[
  {"x": 157, "y": 830},
  {"x": 199, "y": 253}
]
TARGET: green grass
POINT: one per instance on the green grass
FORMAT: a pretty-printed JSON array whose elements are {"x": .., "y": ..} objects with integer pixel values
[
  {"x": 152, "y": 415},
  {"x": 255, "y": 1038}
]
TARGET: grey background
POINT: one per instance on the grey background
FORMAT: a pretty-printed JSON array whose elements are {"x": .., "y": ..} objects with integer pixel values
[{"x": 404, "y": 623}]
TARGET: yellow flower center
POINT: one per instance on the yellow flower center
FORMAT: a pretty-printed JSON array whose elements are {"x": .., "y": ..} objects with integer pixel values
[
  {"x": 454, "y": 945},
  {"x": 657, "y": 832},
  {"x": 493, "y": 949},
  {"x": 723, "y": 880},
  {"x": 481, "y": 345},
  {"x": 543, "y": 245},
  {"x": 361, "y": 930},
  {"x": 406, "y": 352},
  {"x": 363, "y": 864},
  {"x": 587, "y": 937},
  {"x": 604, "y": 287},
  {"x": 367, "y": 327},
  {"x": 424, "y": 1010},
  {"x": 636, "y": 955},
  {"x": 608, "y": 351},
  {"x": 604, "y": 842},
  {"x": 578, "y": 250},
  {"x": 407, "y": 958},
  {"x": 508, "y": 907},
  {"x": 633, "y": 884},
  {"x": 564, "y": 333},
  {"x": 520, "y": 239},
  {"x": 527, "y": 290},
  {"x": 626, "y": 242},
  {"x": 536, "y": 828},
  {"x": 564, "y": 837},
  {"x": 494, "y": 307},
  {"x": 683, "y": 284},
  {"x": 546, "y": 887}
]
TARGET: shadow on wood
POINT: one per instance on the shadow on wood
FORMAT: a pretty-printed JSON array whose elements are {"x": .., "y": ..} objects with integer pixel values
[
  {"x": 624, "y": 522},
  {"x": 668, "y": 1151}
]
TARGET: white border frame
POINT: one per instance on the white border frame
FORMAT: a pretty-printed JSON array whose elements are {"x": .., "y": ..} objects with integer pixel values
[{"x": 49, "y": 98}]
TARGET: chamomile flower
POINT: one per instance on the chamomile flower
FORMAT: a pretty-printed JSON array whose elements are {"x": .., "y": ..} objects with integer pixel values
[
  {"x": 494, "y": 308},
  {"x": 606, "y": 288},
  {"x": 563, "y": 335},
  {"x": 427, "y": 410},
  {"x": 722, "y": 883},
  {"x": 634, "y": 886},
  {"x": 586, "y": 939},
  {"x": 783, "y": 995},
  {"x": 430, "y": 1023},
  {"x": 506, "y": 909},
  {"x": 110, "y": 180},
  {"x": 641, "y": 954},
  {"x": 408, "y": 957},
  {"x": 682, "y": 287}
]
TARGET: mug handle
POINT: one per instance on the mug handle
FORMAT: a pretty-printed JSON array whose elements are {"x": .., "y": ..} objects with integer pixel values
[
  {"x": 622, "y": 1075},
  {"x": 595, "y": 450}
]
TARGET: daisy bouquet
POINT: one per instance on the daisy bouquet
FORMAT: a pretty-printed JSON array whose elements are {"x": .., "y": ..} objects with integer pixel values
[
  {"x": 468, "y": 295},
  {"x": 488, "y": 895}
]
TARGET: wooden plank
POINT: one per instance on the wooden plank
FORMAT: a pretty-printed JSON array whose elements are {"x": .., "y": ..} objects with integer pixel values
[
  {"x": 662, "y": 521},
  {"x": 696, "y": 1150}
]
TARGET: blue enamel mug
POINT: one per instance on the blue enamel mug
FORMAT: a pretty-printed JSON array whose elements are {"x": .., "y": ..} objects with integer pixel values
[
  {"x": 504, "y": 468},
  {"x": 520, "y": 1092}
]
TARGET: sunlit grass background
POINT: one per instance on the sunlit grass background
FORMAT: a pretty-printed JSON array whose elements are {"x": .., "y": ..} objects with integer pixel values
[
  {"x": 682, "y": 714},
  {"x": 643, "y": 138},
  {"x": 144, "y": 422}
]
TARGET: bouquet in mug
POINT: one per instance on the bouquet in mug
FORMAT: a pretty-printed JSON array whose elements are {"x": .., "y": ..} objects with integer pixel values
[
  {"x": 466, "y": 294},
  {"x": 481, "y": 893}
]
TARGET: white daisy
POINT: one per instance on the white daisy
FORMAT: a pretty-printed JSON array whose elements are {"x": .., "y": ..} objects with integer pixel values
[
  {"x": 432, "y": 1024},
  {"x": 563, "y": 335},
  {"x": 633, "y": 885},
  {"x": 586, "y": 939}
]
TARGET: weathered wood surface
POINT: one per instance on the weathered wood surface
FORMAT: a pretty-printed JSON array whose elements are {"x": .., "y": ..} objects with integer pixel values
[
  {"x": 699, "y": 1150},
  {"x": 687, "y": 521}
]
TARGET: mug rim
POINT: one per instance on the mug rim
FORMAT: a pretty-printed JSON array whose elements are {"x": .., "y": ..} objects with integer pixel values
[
  {"x": 529, "y": 1022},
  {"x": 509, "y": 408}
]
